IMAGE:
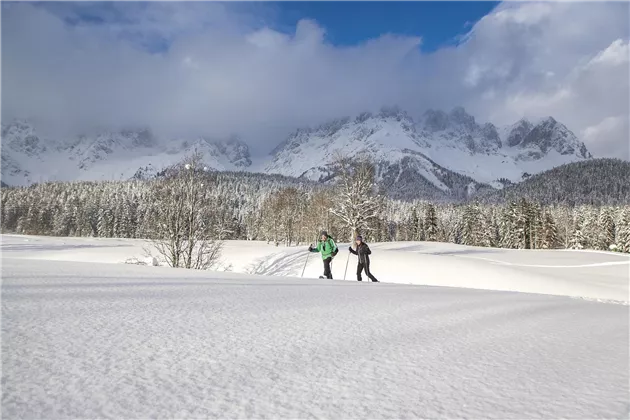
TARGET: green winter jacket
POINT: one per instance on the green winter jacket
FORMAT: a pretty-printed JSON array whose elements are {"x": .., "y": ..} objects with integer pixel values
[{"x": 328, "y": 248}]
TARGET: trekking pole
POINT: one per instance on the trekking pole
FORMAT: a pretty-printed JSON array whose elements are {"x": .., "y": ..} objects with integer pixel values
[
  {"x": 305, "y": 262},
  {"x": 347, "y": 261}
]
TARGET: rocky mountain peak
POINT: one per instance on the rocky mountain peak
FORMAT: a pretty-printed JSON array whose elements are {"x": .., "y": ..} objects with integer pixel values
[
  {"x": 459, "y": 117},
  {"x": 550, "y": 134},
  {"x": 362, "y": 117},
  {"x": 236, "y": 151},
  {"x": 20, "y": 136},
  {"x": 490, "y": 136},
  {"x": 393, "y": 112},
  {"x": 139, "y": 138},
  {"x": 518, "y": 131},
  {"x": 435, "y": 120},
  {"x": 233, "y": 150},
  {"x": 331, "y": 127}
]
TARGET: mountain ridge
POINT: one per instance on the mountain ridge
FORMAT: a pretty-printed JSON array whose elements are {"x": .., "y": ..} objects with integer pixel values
[
  {"x": 454, "y": 141},
  {"x": 435, "y": 146}
]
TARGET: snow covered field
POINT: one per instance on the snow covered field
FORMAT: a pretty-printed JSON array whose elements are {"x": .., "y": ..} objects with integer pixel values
[
  {"x": 85, "y": 338},
  {"x": 581, "y": 274}
]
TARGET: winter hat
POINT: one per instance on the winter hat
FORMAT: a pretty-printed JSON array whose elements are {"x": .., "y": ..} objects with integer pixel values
[
  {"x": 360, "y": 238},
  {"x": 324, "y": 233}
]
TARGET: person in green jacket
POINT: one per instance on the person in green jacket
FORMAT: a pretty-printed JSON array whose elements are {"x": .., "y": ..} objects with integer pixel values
[{"x": 328, "y": 248}]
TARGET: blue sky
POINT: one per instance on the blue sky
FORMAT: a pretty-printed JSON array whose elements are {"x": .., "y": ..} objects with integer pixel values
[
  {"x": 438, "y": 23},
  {"x": 348, "y": 23}
]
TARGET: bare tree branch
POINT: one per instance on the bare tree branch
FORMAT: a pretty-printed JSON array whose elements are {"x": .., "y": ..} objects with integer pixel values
[
  {"x": 183, "y": 236},
  {"x": 357, "y": 203}
]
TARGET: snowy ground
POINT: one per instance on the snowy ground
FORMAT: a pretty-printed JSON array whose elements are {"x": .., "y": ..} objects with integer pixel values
[
  {"x": 581, "y": 274},
  {"x": 95, "y": 340}
]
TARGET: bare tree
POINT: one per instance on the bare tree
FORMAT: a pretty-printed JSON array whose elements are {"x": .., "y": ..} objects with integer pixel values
[
  {"x": 270, "y": 220},
  {"x": 184, "y": 234},
  {"x": 291, "y": 208},
  {"x": 357, "y": 203},
  {"x": 284, "y": 210},
  {"x": 317, "y": 215}
]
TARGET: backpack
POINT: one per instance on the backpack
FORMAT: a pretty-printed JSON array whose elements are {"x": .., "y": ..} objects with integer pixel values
[
  {"x": 333, "y": 253},
  {"x": 336, "y": 251}
]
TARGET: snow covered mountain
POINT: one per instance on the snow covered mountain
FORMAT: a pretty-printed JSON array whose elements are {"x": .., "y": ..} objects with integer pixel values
[
  {"x": 439, "y": 146},
  {"x": 437, "y": 153},
  {"x": 28, "y": 157}
]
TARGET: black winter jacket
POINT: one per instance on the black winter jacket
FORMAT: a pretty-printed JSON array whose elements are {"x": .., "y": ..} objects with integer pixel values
[{"x": 363, "y": 252}]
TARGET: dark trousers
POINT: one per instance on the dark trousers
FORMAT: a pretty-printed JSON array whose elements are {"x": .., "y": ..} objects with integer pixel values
[
  {"x": 364, "y": 266},
  {"x": 327, "y": 272}
]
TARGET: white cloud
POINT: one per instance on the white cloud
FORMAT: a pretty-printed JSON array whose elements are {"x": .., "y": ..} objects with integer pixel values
[
  {"x": 227, "y": 71},
  {"x": 602, "y": 136},
  {"x": 615, "y": 54}
]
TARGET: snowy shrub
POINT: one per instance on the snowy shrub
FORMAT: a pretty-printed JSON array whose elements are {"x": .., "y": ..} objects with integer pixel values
[{"x": 135, "y": 261}]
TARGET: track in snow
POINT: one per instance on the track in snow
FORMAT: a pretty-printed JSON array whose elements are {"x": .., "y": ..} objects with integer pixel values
[{"x": 82, "y": 340}]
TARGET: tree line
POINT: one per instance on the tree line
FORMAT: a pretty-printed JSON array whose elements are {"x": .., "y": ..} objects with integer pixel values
[
  {"x": 594, "y": 181},
  {"x": 198, "y": 206}
]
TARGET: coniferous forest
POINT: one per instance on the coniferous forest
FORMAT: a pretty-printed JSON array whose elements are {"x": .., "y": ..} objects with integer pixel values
[
  {"x": 596, "y": 182},
  {"x": 288, "y": 211}
]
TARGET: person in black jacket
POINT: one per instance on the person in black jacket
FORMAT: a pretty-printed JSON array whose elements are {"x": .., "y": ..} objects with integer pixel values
[{"x": 363, "y": 252}]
